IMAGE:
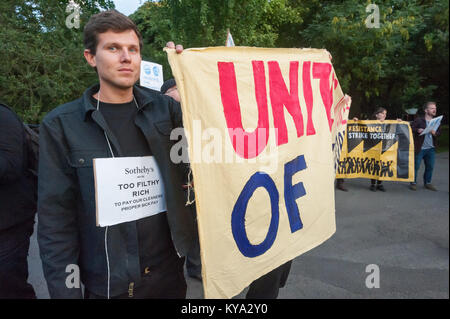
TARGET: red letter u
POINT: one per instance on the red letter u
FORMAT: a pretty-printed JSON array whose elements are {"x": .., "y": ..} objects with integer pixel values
[{"x": 246, "y": 145}]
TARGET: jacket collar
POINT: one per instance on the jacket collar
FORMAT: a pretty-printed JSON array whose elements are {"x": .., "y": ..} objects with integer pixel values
[{"x": 142, "y": 98}]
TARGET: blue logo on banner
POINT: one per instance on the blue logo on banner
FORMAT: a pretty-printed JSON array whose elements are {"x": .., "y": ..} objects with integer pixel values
[{"x": 147, "y": 70}]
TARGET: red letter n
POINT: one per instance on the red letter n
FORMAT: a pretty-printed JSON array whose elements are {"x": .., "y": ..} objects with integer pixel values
[
  {"x": 308, "y": 95},
  {"x": 322, "y": 72}
]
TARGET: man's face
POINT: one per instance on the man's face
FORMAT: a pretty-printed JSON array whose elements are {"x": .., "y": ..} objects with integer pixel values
[
  {"x": 118, "y": 59},
  {"x": 173, "y": 93},
  {"x": 431, "y": 110}
]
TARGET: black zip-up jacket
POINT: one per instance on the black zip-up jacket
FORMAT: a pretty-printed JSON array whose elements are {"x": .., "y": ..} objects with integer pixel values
[
  {"x": 70, "y": 137},
  {"x": 17, "y": 186}
]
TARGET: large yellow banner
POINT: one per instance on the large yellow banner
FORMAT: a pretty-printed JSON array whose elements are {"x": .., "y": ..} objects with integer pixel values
[
  {"x": 260, "y": 124},
  {"x": 377, "y": 150}
]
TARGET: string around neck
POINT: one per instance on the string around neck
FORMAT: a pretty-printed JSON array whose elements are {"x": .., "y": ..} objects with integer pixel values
[{"x": 104, "y": 132}]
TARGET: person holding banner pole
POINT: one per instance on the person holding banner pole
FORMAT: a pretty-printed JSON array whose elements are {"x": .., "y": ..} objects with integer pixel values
[
  {"x": 424, "y": 146},
  {"x": 193, "y": 261},
  {"x": 268, "y": 285},
  {"x": 113, "y": 121}
]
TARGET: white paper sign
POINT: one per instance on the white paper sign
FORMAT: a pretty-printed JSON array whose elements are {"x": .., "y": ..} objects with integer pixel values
[
  {"x": 151, "y": 75},
  {"x": 127, "y": 189},
  {"x": 433, "y": 125}
]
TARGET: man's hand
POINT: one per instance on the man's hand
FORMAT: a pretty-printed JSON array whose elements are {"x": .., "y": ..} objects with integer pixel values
[
  {"x": 355, "y": 119},
  {"x": 433, "y": 132},
  {"x": 399, "y": 120},
  {"x": 178, "y": 48},
  {"x": 420, "y": 130},
  {"x": 347, "y": 100}
]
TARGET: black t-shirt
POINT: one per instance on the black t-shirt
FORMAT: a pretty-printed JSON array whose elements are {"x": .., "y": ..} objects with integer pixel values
[{"x": 155, "y": 241}]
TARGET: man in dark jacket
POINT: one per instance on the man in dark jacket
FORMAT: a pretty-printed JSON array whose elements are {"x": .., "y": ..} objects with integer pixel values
[
  {"x": 424, "y": 146},
  {"x": 17, "y": 207},
  {"x": 134, "y": 259}
]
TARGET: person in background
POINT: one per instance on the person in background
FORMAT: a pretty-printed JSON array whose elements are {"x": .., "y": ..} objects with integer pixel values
[
  {"x": 17, "y": 208},
  {"x": 424, "y": 146},
  {"x": 340, "y": 185},
  {"x": 193, "y": 261},
  {"x": 380, "y": 115},
  {"x": 169, "y": 88},
  {"x": 340, "y": 181}
]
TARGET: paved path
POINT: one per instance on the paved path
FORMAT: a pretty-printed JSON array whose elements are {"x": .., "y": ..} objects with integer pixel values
[{"x": 404, "y": 233}]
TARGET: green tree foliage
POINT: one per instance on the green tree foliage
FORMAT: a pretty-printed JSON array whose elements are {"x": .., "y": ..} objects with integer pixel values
[
  {"x": 200, "y": 23},
  {"x": 399, "y": 65},
  {"x": 43, "y": 64},
  {"x": 395, "y": 65}
]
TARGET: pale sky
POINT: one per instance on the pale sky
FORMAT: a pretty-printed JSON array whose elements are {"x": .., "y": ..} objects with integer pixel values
[{"x": 128, "y": 7}]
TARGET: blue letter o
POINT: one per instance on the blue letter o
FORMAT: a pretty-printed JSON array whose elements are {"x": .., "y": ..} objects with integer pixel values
[{"x": 238, "y": 215}]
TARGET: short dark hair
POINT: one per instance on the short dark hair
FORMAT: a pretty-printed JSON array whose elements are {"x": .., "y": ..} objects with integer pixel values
[
  {"x": 378, "y": 110},
  {"x": 102, "y": 22},
  {"x": 167, "y": 85},
  {"x": 425, "y": 106}
]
